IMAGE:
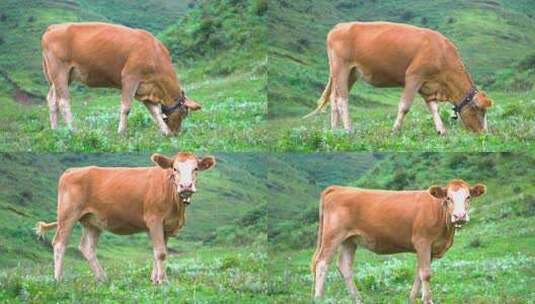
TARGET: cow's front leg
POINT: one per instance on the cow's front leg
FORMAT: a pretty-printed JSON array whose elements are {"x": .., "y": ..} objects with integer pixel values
[
  {"x": 411, "y": 87},
  {"x": 160, "y": 251},
  {"x": 129, "y": 88},
  {"x": 156, "y": 112},
  {"x": 433, "y": 107},
  {"x": 423, "y": 252}
]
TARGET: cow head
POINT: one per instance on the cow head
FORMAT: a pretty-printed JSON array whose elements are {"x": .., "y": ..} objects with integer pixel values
[
  {"x": 456, "y": 197},
  {"x": 175, "y": 114},
  {"x": 473, "y": 114},
  {"x": 185, "y": 167}
]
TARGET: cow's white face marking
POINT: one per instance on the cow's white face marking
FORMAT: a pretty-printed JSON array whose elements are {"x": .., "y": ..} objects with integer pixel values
[
  {"x": 459, "y": 199},
  {"x": 186, "y": 177}
]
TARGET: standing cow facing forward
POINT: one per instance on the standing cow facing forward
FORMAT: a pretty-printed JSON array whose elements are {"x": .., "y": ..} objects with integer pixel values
[
  {"x": 125, "y": 201},
  {"x": 387, "y": 222},
  {"x": 388, "y": 54},
  {"x": 113, "y": 56}
]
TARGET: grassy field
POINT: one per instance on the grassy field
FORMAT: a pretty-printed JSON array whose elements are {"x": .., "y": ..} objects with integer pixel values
[
  {"x": 492, "y": 259},
  {"x": 228, "y": 80},
  {"x": 495, "y": 40}
]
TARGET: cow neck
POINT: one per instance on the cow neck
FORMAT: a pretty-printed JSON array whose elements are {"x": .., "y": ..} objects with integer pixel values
[
  {"x": 459, "y": 84},
  {"x": 448, "y": 226}
]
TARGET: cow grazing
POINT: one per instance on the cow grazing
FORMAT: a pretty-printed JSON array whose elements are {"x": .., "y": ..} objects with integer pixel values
[
  {"x": 113, "y": 56},
  {"x": 125, "y": 201},
  {"x": 387, "y": 222},
  {"x": 388, "y": 54}
]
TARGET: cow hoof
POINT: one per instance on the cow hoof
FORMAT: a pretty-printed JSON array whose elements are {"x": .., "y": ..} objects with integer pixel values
[{"x": 442, "y": 132}]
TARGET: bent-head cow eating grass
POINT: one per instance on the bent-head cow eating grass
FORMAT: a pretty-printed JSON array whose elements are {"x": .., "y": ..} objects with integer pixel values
[
  {"x": 387, "y": 222},
  {"x": 125, "y": 201},
  {"x": 388, "y": 54},
  {"x": 113, "y": 56}
]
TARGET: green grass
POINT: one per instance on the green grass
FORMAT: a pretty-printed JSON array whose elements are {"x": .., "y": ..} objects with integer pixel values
[{"x": 492, "y": 37}]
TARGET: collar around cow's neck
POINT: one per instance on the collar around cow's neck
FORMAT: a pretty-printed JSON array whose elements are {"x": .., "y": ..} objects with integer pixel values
[
  {"x": 465, "y": 101},
  {"x": 179, "y": 103}
]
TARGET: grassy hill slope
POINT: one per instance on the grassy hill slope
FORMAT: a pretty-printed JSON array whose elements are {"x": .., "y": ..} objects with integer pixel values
[
  {"x": 491, "y": 261},
  {"x": 495, "y": 40}
]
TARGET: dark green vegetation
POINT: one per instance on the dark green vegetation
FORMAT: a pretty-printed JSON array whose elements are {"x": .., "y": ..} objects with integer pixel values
[
  {"x": 495, "y": 39},
  {"x": 219, "y": 257},
  {"x": 217, "y": 51},
  {"x": 493, "y": 256}
]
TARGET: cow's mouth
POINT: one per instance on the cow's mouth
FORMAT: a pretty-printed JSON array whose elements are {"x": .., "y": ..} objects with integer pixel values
[
  {"x": 186, "y": 196},
  {"x": 459, "y": 223}
]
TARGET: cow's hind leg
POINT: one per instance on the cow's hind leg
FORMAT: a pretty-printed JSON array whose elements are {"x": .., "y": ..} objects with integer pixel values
[
  {"x": 61, "y": 239},
  {"x": 345, "y": 266},
  {"x": 88, "y": 247},
  {"x": 412, "y": 85},
  {"x": 329, "y": 244},
  {"x": 52, "y": 106},
  {"x": 61, "y": 86},
  {"x": 340, "y": 95}
]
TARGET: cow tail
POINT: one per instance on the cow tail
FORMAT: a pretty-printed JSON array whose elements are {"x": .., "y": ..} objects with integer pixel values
[
  {"x": 324, "y": 99},
  {"x": 41, "y": 228}
]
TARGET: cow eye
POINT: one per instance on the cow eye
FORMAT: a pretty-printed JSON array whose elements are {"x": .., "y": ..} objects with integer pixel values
[
  {"x": 469, "y": 197},
  {"x": 196, "y": 169}
]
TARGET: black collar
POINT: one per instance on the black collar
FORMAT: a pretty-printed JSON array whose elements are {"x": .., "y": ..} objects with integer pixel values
[
  {"x": 465, "y": 101},
  {"x": 179, "y": 103}
]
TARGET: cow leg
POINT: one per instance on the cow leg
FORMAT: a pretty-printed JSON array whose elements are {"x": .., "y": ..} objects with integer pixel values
[
  {"x": 411, "y": 87},
  {"x": 61, "y": 85},
  {"x": 160, "y": 251},
  {"x": 345, "y": 266},
  {"x": 329, "y": 244},
  {"x": 341, "y": 75},
  {"x": 129, "y": 88},
  {"x": 52, "y": 107},
  {"x": 154, "y": 268},
  {"x": 415, "y": 286},
  {"x": 156, "y": 113},
  {"x": 88, "y": 247},
  {"x": 61, "y": 239},
  {"x": 433, "y": 107},
  {"x": 423, "y": 253}
]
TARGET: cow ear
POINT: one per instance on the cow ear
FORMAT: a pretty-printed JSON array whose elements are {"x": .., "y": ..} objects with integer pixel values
[
  {"x": 478, "y": 190},
  {"x": 483, "y": 101},
  {"x": 192, "y": 105},
  {"x": 162, "y": 161},
  {"x": 206, "y": 163},
  {"x": 437, "y": 191}
]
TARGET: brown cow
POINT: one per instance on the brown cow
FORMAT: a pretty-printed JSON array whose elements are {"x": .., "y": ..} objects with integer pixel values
[
  {"x": 388, "y": 54},
  {"x": 387, "y": 222},
  {"x": 113, "y": 56},
  {"x": 125, "y": 201}
]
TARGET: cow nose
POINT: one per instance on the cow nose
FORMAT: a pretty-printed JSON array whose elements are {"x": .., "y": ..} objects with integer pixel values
[
  {"x": 460, "y": 216},
  {"x": 186, "y": 186}
]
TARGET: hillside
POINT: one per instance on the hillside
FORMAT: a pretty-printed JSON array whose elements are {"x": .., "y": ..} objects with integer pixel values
[
  {"x": 494, "y": 252},
  {"x": 495, "y": 40}
]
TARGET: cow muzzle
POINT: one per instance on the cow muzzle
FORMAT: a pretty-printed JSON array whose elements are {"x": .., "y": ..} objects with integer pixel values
[
  {"x": 186, "y": 196},
  {"x": 459, "y": 221}
]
